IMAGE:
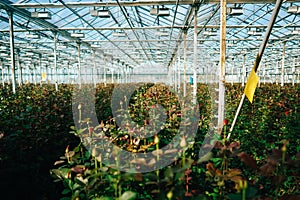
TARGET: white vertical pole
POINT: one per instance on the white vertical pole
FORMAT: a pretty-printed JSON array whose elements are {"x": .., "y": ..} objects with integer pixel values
[
  {"x": 126, "y": 78},
  {"x": 293, "y": 72},
  {"x": 8, "y": 75},
  {"x": 34, "y": 74},
  {"x": 195, "y": 57},
  {"x": 12, "y": 50},
  {"x": 2, "y": 72},
  {"x": 184, "y": 63},
  {"x": 40, "y": 68},
  {"x": 47, "y": 72},
  {"x": 118, "y": 76},
  {"x": 232, "y": 74},
  {"x": 104, "y": 72},
  {"x": 55, "y": 62},
  {"x": 112, "y": 71},
  {"x": 205, "y": 70},
  {"x": 31, "y": 75},
  {"x": 244, "y": 70},
  {"x": 94, "y": 68},
  {"x": 112, "y": 75},
  {"x": 69, "y": 72},
  {"x": 19, "y": 68},
  {"x": 276, "y": 72},
  {"x": 178, "y": 69},
  {"x": 79, "y": 64},
  {"x": 221, "y": 106},
  {"x": 282, "y": 64},
  {"x": 175, "y": 77}
]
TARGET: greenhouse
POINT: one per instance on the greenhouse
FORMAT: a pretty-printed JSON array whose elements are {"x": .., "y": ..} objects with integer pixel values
[{"x": 150, "y": 99}]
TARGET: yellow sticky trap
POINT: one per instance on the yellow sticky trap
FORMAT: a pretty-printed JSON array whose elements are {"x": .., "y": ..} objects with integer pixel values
[
  {"x": 251, "y": 85},
  {"x": 44, "y": 76}
]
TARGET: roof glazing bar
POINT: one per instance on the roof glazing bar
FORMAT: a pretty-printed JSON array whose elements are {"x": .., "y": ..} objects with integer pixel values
[{"x": 136, "y": 3}]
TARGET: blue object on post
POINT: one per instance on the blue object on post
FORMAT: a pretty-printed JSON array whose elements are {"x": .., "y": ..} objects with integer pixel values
[{"x": 191, "y": 80}]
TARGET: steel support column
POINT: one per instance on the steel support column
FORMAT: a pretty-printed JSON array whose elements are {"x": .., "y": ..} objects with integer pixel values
[
  {"x": 195, "y": 57},
  {"x": 34, "y": 73},
  {"x": 104, "y": 71},
  {"x": 126, "y": 74},
  {"x": 2, "y": 72},
  {"x": 40, "y": 67},
  {"x": 184, "y": 62},
  {"x": 79, "y": 64},
  {"x": 12, "y": 50},
  {"x": 244, "y": 70},
  {"x": 19, "y": 67},
  {"x": 221, "y": 106},
  {"x": 94, "y": 68},
  {"x": 282, "y": 64},
  {"x": 178, "y": 72},
  {"x": 55, "y": 61},
  {"x": 293, "y": 72},
  {"x": 69, "y": 72}
]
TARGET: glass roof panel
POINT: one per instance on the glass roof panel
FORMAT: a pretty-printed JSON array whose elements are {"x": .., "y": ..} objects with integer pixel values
[{"x": 132, "y": 29}]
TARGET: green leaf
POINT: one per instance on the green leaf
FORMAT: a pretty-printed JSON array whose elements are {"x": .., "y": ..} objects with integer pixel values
[
  {"x": 66, "y": 198},
  {"x": 128, "y": 195},
  {"x": 76, "y": 149},
  {"x": 103, "y": 198},
  {"x": 235, "y": 196},
  {"x": 66, "y": 191},
  {"x": 251, "y": 192},
  {"x": 205, "y": 158},
  {"x": 28, "y": 109}
]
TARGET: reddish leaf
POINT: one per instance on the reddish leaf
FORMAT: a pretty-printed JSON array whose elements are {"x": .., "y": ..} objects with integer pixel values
[
  {"x": 138, "y": 177},
  {"x": 248, "y": 160},
  {"x": 78, "y": 169},
  {"x": 219, "y": 145},
  {"x": 278, "y": 179},
  {"x": 233, "y": 172},
  {"x": 233, "y": 146},
  {"x": 188, "y": 194},
  {"x": 276, "y": 154},
  {"x": 187, "y": 172},
  {"x": 210, "y": 167},
  {"x": 267, "y": 169}
]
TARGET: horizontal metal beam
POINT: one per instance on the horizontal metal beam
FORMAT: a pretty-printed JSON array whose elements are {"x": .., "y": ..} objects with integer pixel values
[
  {"x": 209, "y": 48},
  {"x": 150, "y": 27},
  {"x": 126, "y": 41},
  {"x": 135, "y": 3}
]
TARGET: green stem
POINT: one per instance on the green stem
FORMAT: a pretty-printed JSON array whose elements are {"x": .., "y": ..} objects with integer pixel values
[
  {"x": 283, "y": 157},
  {"x": 157, "y": 148},
  {"x": 244, "y": 194},
  {"x": 119, "y": 188},
  {"x": 224, "y": 136},
  {"x": 96, "y": 166},
  {"x": 183, "y": 159},
  {"x": 100, "y": 161}
]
